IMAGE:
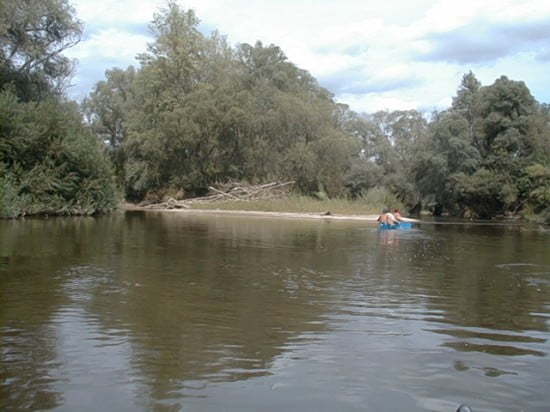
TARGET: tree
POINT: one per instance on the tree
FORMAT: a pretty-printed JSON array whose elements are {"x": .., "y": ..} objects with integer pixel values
[
  {"x": 295, "y": 128},
  {"x": 172, "y": 60},
  {"x": 107, "y": 109},
  {"x": 538, "y": 190},
  {"x": 160, "y": 138},
  {"x": 477, "y": 159},
  {"x": 50, "y": 163},
  {"x": 33, "y": 36},
  {"x": 465, "y": 100},
  {"x": 201, "y": 113},
  {"x": 389, "y": 144}
]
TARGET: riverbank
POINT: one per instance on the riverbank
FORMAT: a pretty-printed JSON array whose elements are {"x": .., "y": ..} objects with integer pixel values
[
  {"x": 272, "y": 200},
  {"x": 283, "y": 215}
]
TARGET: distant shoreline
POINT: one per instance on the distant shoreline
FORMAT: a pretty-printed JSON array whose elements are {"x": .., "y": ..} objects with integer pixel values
[{"x": 284, "y": 215}]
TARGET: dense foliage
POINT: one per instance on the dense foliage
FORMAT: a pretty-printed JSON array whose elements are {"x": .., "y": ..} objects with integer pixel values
[
  {"x": 33, "y": 35},
  {"x": 196, "y": 111},
  {"x": 50, "y": 162},
  {"x": 488, "y": 154}
]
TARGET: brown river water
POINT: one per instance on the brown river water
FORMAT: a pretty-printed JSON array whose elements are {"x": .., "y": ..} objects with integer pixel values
[{"x": 166, "y": 312}]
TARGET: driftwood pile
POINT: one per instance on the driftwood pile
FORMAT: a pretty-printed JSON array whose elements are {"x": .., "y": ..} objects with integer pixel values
[{"x": 230, "y": 192}]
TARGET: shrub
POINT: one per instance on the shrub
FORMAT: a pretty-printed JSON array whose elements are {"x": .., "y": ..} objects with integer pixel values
[{"x": 50, "y": 162}]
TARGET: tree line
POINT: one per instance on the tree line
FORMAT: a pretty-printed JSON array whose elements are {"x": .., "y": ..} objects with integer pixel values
[{"x": 197, "y": 111}]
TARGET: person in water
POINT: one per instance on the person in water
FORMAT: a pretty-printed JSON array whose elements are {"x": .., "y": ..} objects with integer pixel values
[
  {"x": 397, "y": 215},
  {"x": 388, "y": 218}
]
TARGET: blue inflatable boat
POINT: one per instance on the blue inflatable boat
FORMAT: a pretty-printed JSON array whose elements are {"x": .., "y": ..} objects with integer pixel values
[{"x": 397, "y": 226}]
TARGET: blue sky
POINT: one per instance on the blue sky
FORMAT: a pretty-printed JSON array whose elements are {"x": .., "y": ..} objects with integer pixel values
[{"x": 373, "y": 55}]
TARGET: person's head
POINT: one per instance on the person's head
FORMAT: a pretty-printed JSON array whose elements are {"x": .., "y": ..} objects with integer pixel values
[
  {"x": 386, "y": 210},
  {"x": 396, "y": 210}
]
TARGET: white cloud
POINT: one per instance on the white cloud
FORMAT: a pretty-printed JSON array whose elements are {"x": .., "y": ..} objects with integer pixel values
[
  {"x": 111, "y": 43},
  {"x": 373, "y": 53},
  {"x": 113, "y": 12}
]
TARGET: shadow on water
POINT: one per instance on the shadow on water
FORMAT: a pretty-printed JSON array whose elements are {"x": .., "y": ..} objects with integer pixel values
[{"x": 169, "y": 311}]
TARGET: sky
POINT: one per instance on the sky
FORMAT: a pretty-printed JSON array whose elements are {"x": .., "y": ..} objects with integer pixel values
[{"x": 372, "y": 55}]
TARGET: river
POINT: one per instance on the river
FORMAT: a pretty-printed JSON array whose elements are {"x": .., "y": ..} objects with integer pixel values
[{"x": 172, "y": 311}]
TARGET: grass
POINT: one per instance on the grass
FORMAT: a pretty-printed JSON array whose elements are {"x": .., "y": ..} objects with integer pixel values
[{"x": 299, "y": 204}]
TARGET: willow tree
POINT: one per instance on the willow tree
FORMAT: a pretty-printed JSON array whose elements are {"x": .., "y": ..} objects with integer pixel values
[
  {"x": 177, "y": 120},
  {"x": 33, "y": 37},
  {"x": 198, "y": 112},
  {"x": 294, "y": 132}
]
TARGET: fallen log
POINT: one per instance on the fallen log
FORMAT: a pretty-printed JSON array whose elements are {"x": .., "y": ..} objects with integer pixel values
[
  {"x": 238, "y": 192},
  {"x": 222, "y": 193}
]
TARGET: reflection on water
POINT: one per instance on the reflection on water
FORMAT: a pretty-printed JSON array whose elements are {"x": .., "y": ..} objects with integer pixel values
[{"x": 169, "y": 312}]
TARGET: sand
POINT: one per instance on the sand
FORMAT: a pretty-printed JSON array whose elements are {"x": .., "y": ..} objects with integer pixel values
[{"x": 282, "y": 215}]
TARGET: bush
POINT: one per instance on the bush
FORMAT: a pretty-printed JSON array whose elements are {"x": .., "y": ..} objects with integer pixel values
[
  {"x": 50, "y": 163},
  {"x": 379, "y": 198},
  {"x": 538, "y": 197}
]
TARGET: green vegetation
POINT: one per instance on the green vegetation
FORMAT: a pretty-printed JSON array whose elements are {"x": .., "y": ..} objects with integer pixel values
[
  {"x": 33, "y": 36},
  {"x": 50, "y": 161},
  {"x": 197, "y": 111},
  {"x": 482, "y": 154},
  {"x": 371, "y": 203}
]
